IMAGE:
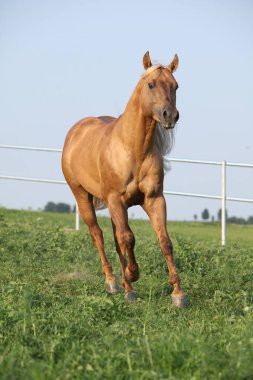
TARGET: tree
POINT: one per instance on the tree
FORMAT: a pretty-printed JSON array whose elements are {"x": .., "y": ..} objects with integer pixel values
[
  {"x": 50, "y": 207},
  {"x": 219, "y": 214},
  {"x": 195, "y": 216},
  {"x": 250, "y": 220},
  {"x": 57, "y": 207},
  {"x": 236, "y": 220},
  {"x": 63, "y": 207},
  {"x": 205, "y": 214}
]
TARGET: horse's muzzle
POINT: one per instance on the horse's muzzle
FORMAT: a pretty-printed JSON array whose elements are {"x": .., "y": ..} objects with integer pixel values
[
  {"x": 169, "y": 118},
  {"x": 168, "y": 126}
]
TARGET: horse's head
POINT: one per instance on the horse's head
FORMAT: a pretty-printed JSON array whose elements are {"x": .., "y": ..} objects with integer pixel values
[{"x": 158, "y": 92}]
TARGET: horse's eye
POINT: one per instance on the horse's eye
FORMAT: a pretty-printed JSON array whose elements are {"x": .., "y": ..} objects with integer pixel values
[{"x": 151, "y": 85}]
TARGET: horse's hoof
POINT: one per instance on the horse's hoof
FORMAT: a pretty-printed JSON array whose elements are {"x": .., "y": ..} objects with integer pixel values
[
  {"x": 112, "y": 286},
  {"x": 132, "y": 276},
  {"x": 131, "y": 296},
  {"x": 180, "y": 300}
]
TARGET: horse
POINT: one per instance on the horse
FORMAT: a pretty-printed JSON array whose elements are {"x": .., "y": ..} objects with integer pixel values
[{"x": 119, "y": 162}]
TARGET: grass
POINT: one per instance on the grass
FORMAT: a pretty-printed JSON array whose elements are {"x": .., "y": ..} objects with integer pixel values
[{"x": 56, "y": 321}]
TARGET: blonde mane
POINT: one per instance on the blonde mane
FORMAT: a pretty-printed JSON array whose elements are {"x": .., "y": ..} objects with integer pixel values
[
  {"x": 150, "y": 69},
  {"x": 164, "y": 143}
]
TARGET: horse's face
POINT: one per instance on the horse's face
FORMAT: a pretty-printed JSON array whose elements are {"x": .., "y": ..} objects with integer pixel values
[{"x": 158, "y": 92}]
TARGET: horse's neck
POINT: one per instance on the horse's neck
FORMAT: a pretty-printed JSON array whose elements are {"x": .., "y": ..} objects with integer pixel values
[{"x": 136, "y": 131}]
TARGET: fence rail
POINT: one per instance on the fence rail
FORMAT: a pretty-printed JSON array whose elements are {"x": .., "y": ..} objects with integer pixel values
[
  {"x": 223, "y": 197},
  {"x": 31, "y": 179},
  {"x": 38, "y": 149}
]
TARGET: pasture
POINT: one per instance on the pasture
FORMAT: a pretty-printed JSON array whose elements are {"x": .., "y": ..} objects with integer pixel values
[{"x": 57, "y": 322}]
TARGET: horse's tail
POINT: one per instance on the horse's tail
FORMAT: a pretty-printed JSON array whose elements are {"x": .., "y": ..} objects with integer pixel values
[{"x": 98, "y": 203}]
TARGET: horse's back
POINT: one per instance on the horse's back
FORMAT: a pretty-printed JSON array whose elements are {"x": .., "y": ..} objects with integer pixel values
[
  {"x": 83, "y": 125},
  {"x": 88, "y": 126},
  {"x": 107, "y": 119}
]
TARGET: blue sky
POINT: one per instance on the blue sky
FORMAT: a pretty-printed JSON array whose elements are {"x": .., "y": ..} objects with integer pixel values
[{"x": 64, "y": 60}]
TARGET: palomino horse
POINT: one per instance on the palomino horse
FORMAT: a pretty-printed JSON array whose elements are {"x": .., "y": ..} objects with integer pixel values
[{"x": 118, "y": 163}]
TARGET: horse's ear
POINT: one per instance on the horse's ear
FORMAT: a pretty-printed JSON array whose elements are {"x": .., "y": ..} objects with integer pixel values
[
  {"x": 147, "y": 61},
  {"x": 174, "y": 64}
]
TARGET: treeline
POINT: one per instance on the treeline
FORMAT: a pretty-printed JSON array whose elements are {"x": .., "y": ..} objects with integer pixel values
[
  {"x": 205, "y": 215},
  {"x": 59, "y": 207},
  {"x": 236, "y": 220}
]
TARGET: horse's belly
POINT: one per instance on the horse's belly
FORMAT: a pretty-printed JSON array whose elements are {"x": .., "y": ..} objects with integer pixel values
[{"x": 90, "y": 184}]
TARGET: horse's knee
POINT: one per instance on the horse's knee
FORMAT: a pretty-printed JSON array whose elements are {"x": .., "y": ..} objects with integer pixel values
[
  {"x": 127, "y": 239},
  {"x": 166, "y": 245}
]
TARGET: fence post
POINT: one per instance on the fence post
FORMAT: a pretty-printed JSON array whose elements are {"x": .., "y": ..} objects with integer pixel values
[
  {"x": 77, "y": 218},
  {"x": 223, "y": 203}
]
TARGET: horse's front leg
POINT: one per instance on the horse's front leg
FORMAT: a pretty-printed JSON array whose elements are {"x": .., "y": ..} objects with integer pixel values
[{"x": 155, "y": 207}]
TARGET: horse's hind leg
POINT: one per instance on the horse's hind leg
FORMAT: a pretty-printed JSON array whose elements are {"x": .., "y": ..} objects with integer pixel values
[
  {"x": 86, "y": 208},
  {"x": 124, "y": 241}
]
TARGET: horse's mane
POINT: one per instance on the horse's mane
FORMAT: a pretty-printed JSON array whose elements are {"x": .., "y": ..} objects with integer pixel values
[
  {"x": 164, "y": 143},
  {"x": 164, "y": 139},
  {"x": 150, "y": 69}
]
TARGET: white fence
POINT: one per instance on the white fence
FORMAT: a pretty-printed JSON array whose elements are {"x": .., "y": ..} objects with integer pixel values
[{"x": 222, "y": 197}]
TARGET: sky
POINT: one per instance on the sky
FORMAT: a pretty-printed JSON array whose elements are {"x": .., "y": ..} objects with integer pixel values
[{"x": 63, "y": 60}]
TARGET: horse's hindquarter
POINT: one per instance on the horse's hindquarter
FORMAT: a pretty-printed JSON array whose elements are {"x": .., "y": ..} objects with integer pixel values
[{"x": 82, "y": 150}]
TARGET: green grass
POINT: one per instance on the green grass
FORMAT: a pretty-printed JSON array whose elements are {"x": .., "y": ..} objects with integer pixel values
[{"x": 56, "y": 321}]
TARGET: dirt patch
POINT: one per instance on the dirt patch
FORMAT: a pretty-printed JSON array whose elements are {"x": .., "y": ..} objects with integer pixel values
[
  {"x": 69, "y": 229},
  {"x": 71, "y": 276}
]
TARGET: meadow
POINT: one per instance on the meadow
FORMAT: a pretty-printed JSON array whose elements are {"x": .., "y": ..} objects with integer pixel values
[{"x": 57, "y": 322}]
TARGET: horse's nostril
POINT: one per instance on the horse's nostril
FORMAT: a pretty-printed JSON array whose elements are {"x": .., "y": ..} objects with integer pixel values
[
  {"x": 177, "y": 116},
  {"x": 165, "y": 114}
]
